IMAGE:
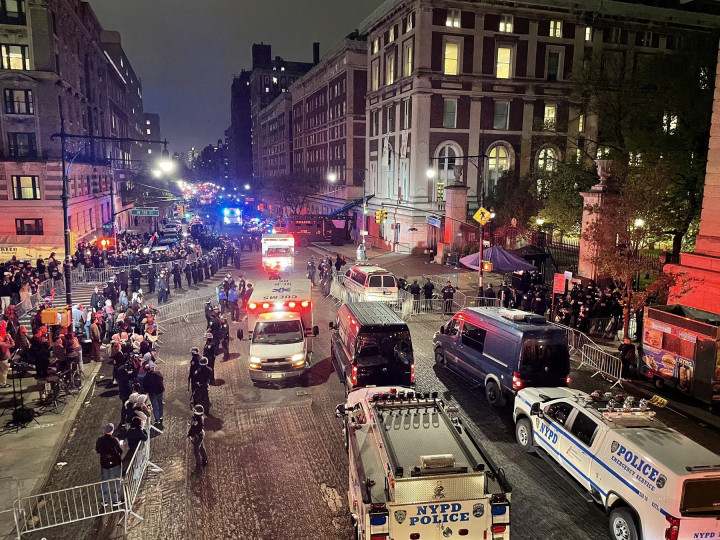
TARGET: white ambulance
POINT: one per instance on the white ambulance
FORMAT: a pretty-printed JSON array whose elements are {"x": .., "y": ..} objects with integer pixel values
[
  {"x": 277, "y": 251},
  {"x": 416, "y": 472},
  {"x": 652, "y": 481},
  {"x": 280, "y": 324}
]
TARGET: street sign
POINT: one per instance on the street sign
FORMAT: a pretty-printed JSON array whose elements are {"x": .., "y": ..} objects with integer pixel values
[
  {"x": 568, "y": 275},
  {"x": 144, "y": 212},
  {"x": 559, "y": 284},
  {"x": 482, "y": 216},
  {"x": 430, "y": 220}
]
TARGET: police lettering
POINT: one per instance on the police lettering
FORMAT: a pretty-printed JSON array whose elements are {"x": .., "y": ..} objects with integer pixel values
[
  {"x": 548, "y": 433},
  {"x": 439, "y": 513},
  {"x": 704, "y": 535},
  {"x": 638, "y": 463}
]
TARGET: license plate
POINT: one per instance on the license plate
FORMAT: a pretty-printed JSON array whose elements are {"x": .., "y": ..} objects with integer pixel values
[{"x": 276, "y": 375}]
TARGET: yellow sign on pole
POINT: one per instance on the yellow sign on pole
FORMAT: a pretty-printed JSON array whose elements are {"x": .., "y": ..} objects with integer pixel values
[
  {"x": 482, "y": 216},
  {"x": 73, "y": 243}
]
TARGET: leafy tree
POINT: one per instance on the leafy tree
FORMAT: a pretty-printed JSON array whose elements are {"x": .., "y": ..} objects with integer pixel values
[
  {"x": 293, "y": 191},
  {"x": 563, "y": 205},
  {"x": 514, "y": 197}
]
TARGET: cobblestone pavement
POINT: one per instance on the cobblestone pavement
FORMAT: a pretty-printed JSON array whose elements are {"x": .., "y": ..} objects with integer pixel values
[{"x": 277, "y": 465}]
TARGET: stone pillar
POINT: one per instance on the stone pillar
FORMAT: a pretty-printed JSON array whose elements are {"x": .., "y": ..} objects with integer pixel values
[
  {"x": 698, "y": 273},
  {"x": 455, "y": 214},
  {"x": 599, "y": 195}
]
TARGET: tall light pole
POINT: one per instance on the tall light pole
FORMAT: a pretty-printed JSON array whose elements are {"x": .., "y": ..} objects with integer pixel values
[{"x": 332, "y": 177}]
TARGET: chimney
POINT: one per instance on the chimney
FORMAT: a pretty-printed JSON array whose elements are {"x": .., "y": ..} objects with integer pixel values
[{"x": 316, "y": 52}]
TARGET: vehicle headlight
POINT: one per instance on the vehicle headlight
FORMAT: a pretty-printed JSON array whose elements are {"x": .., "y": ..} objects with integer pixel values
[
  {"x": 298, "y": 356},
  {"x": 254, "y": 360}
]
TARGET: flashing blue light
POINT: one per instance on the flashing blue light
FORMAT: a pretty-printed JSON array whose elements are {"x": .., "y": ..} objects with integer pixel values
[
  {"x": 226, "y": 212},
  {"x": 378, "y": 520},
  {"x": 499, "y": 510}
]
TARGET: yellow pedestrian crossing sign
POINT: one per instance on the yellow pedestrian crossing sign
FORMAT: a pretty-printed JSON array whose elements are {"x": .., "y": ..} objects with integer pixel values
[{"x": 482, "y": 216}]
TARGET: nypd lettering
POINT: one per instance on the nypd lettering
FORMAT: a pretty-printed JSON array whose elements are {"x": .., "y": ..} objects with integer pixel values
[
  {"x": 436, "y": 514},
  {"x": 641, "y": 470},
  {"x": 549, "y": 433}
]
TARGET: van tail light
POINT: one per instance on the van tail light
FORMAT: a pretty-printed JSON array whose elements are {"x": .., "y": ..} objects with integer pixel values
[
  {"x": 252, "y": 305},
  {"x": 568, "y": 380},
  {"x": 517, "y": 382},
  {"x": 305, "y": 303},
  {"x": 412, "y": 373},
  {"x": 265, "y": 305},
  {"x": 353, "y": 377},
  {"x": 673, "y": 531},
  {"x": 291, "y": 304}
]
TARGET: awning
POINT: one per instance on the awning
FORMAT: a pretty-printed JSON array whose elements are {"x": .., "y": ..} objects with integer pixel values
[{"x": 355, "y": 202}]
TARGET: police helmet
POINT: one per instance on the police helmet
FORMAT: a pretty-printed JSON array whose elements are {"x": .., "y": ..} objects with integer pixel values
[
  {"x": 194, "y": 350},
  {"x": 204, "y": 361},
  {"x": 199, "y": 410}
]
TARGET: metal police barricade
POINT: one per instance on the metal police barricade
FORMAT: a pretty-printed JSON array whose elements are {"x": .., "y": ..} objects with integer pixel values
[
  {"x": 132, "y": 478},
  {"x": 603, "y": 363}
]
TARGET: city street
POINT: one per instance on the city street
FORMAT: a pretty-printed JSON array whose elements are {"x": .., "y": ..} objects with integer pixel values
[{"x": 277, "y": 464}]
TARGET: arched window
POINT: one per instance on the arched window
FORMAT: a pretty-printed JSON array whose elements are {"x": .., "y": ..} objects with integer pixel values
[
  {"x": 446, "y": 158},
  {"x": 498, "y": 161},
  {"x": 547, "y": 160}
]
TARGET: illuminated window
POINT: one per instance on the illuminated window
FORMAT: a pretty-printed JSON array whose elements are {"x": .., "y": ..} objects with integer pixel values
[
  {"x": 453, "y": 18},
  {"x": 407, "y": 109},
  {"x": 603, "y": 151},
  {"x": 26, "y": 188},
  {"x": 29, "y": 226},
  {"x": 19, "y": 102},
  {"x": 12, "y": 12},
  {"x": 502, "y": 114},
  {"x": 391, "y": 34},
  {"x": 375, "y": 45},
  {"x": 410, "y": 23},
  {"x": 581, "y": 123},
  {"x": 449, "y": 113},
  {"x": 149, "y": 150},
  {"x": 407, "y": 58},
  {"x": 550, "y": 117},
  {"x": 506, "y": 23},
  {"x": 446, "y": 169},
  {"x": 147, "y": 131},
  {"x": 390, "y": 68},
  {"x": 498, "y": 163},
  {"x": 15, "y": 57},
  {"x": 375, "y": 75},
  {"x": 556, "y": 29},
  {"x": 451, "y": 62},
  {"x": 670, "y": 123},
  {"x": 504, "y": 59},
  {"x": 547, "y": 160},
  {"x": 588, "y": 33}
]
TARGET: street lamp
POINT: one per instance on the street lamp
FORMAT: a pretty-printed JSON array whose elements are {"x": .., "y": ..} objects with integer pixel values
[
  {"x": 540, "y": 222},
  {"x": 247, "y": 186},
  {"x": 639, "y": 222},
  {"x": 430, "y": 173}
]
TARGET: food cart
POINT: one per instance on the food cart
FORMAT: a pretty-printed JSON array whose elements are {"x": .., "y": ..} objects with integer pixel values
[{"x": 681, "y": 348}]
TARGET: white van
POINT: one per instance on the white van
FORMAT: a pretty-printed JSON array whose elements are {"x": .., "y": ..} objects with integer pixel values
[{"x": 371, "y": 283}]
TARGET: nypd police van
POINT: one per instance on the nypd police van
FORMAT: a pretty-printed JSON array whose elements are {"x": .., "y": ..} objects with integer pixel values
[
  {"x": 416, "y": 472},
  {"x": 652, "y": 481}
]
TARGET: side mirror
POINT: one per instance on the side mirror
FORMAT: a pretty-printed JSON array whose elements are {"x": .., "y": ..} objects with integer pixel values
[
  {"x": 535, "y": 410},
  {"x": 240, "y": 334},
  {"x": 316, "y": 330},
  {"x": 340, "y": 411},
  {"x": 331, "y": 325},
  {"x": 442, "y": 329}
]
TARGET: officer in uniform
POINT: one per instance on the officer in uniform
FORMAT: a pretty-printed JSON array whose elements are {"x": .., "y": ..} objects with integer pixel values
[
  {"x": 199, "y": 382},
  {"x": 152, "y": 274},
  {"x": 135, "y": 275},
  {"x": 209, "y": 352},
  {"x": 194, "y": 365},
  {"x": 188, "y": 274},
  {"x": 194, "y": 273},
  {"x": 177, "y": 277},
  {"x": 196, "y": 434},
  {"x": 225, "y": 338}
]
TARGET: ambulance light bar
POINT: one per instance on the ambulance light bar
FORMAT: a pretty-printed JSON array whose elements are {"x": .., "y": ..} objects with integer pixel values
[{"x": 278, "y": 305}]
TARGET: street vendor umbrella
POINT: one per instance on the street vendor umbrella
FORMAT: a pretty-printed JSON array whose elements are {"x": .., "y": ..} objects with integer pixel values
[{"x": 502, "y": 261}]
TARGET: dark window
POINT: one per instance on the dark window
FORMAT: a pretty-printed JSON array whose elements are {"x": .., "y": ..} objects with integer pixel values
[
  {"x": 26, "y": 188},
  {"x": 473, "y": 337},
  {"x": 453, "y": 327},
  {"x": 54, "y": 22},
  {"x": 701, "y": 498},
  {"x": 12, "y": 11},
  {"x": 584, "y": 428},
  {"x": 559, "y": 412},
  {"x": 21, "y": 145},
  {"x": 553, "y": 66},
  {"x": 15, "y": 57},
  {"x": 19, "y": 101},
  {"x": 29, "y": 226},
  {"x": 388, "y": 281},
  {"x": 544, "y": 356},
  {"x": 375, "y": 281}
]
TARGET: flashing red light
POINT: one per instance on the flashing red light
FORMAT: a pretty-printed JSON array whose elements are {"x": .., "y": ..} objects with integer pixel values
[
  {"x": 305, "y": 303},
  {"x": 265, "y": 305},
  {"x": 672, "y": 532},
  {"x": 412, "y": 372},
  {"x": 517, "y": 382},
  {"x": 498, "y": 529},
  {"x": 252, "y": 305},
  {"x": 568, "y": 380},
  {"x": 353, "y": 377},
  {"x": 291, "y": 304}
]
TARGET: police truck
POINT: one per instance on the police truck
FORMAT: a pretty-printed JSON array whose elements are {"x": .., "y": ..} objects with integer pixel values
[{"x": 416, "y": 471}]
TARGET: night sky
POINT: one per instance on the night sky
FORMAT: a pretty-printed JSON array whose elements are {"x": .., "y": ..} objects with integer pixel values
[{"x": 187, "y": 51}]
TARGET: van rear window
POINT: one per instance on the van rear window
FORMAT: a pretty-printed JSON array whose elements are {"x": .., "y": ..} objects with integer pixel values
[
  {"x": 701, "y": 497},
  {"x": 545, "y": 355},
  {"x": 375, "y": 281},
  {"x": 388, "y": 281}
]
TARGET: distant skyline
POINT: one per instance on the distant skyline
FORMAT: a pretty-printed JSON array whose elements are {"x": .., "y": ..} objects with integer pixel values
[{"x": 187, "y": 52}]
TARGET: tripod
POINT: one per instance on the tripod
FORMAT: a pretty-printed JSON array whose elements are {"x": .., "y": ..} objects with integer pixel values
[{"x": 21, "y": 415}]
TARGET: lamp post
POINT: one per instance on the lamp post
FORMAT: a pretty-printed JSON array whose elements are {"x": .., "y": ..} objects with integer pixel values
[
  {"x": 332, "y": 177},
  {"x": 65, "y": 196}
]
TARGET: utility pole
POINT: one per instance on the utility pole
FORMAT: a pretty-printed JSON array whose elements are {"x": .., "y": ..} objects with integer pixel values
[{"x": 65, "y": 197}]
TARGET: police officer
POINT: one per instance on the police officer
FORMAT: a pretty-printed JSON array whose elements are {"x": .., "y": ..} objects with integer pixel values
[
  {"x": 194, "y": 272},
  {"x": 152, "y": 275},
  {"x": 135, "y": 275},
  {"x": 194, "y": 365},
  {"x": 177, "y": 277},
  {"x": 225, "y": 338},
  {"x": 196, "y": 434},
  {"x": 311, "y": 271},
  {"x": 209, "y": 352},
  {"x": 414, "y": 289},
  {"x": 199, "y": 382},
  {"x": 188, "y": 274},
  {"x": 448, "y": 292},
  {"x": 234, "y": 302},
  {"x": 208, "y": 312}
]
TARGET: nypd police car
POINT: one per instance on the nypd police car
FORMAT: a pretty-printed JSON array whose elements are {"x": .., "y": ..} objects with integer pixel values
[{"x": 653, "y": 482}]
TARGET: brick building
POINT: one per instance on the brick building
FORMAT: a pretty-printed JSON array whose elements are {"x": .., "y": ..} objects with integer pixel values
[
  {"x": 275, "y": 153},
  {"x": 54, "y": 66},
  {"x": 450, "y": 80}
]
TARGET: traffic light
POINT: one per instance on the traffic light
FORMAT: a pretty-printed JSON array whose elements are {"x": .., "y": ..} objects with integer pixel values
[
  {"x": 383, "y": 215},
  {"x": 487, "y": 266},
  {"x": 106, "y": 243},
  {"x": 378, "y": 216}
]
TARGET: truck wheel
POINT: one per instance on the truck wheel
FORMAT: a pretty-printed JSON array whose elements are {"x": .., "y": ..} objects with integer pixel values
[
  {"x": 440, "y": 357},
  {"x": 494, "y": 394},
  {"x": 523, "y": 435},
  {"x": 622, "y": 524}
]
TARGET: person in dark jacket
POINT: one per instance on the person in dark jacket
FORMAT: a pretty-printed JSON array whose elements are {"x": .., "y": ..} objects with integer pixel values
[
  {"x": 627, "y": 358},
  {"x": 188, "y": 274},
  {"x": 209, "y": 353},
  {"x": 225, "y": 338},
  {"x": 428, "y": 291},
  {"x": 177, "y": 276},
  {"x": 154, "y": 385},
  {"x": 448, "y": 292},
  {"x": 194, "y": 365},
  {"x": 110, "y": 459},
  {"x": 40, "y": 352},
  {"x": 135, "y": 435},
  {"x": 200, "y": 379},
  {"x": 196, "y": 434},
  {"x": 135, "y": 276},
  {"x": 152, "y": 276}
]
